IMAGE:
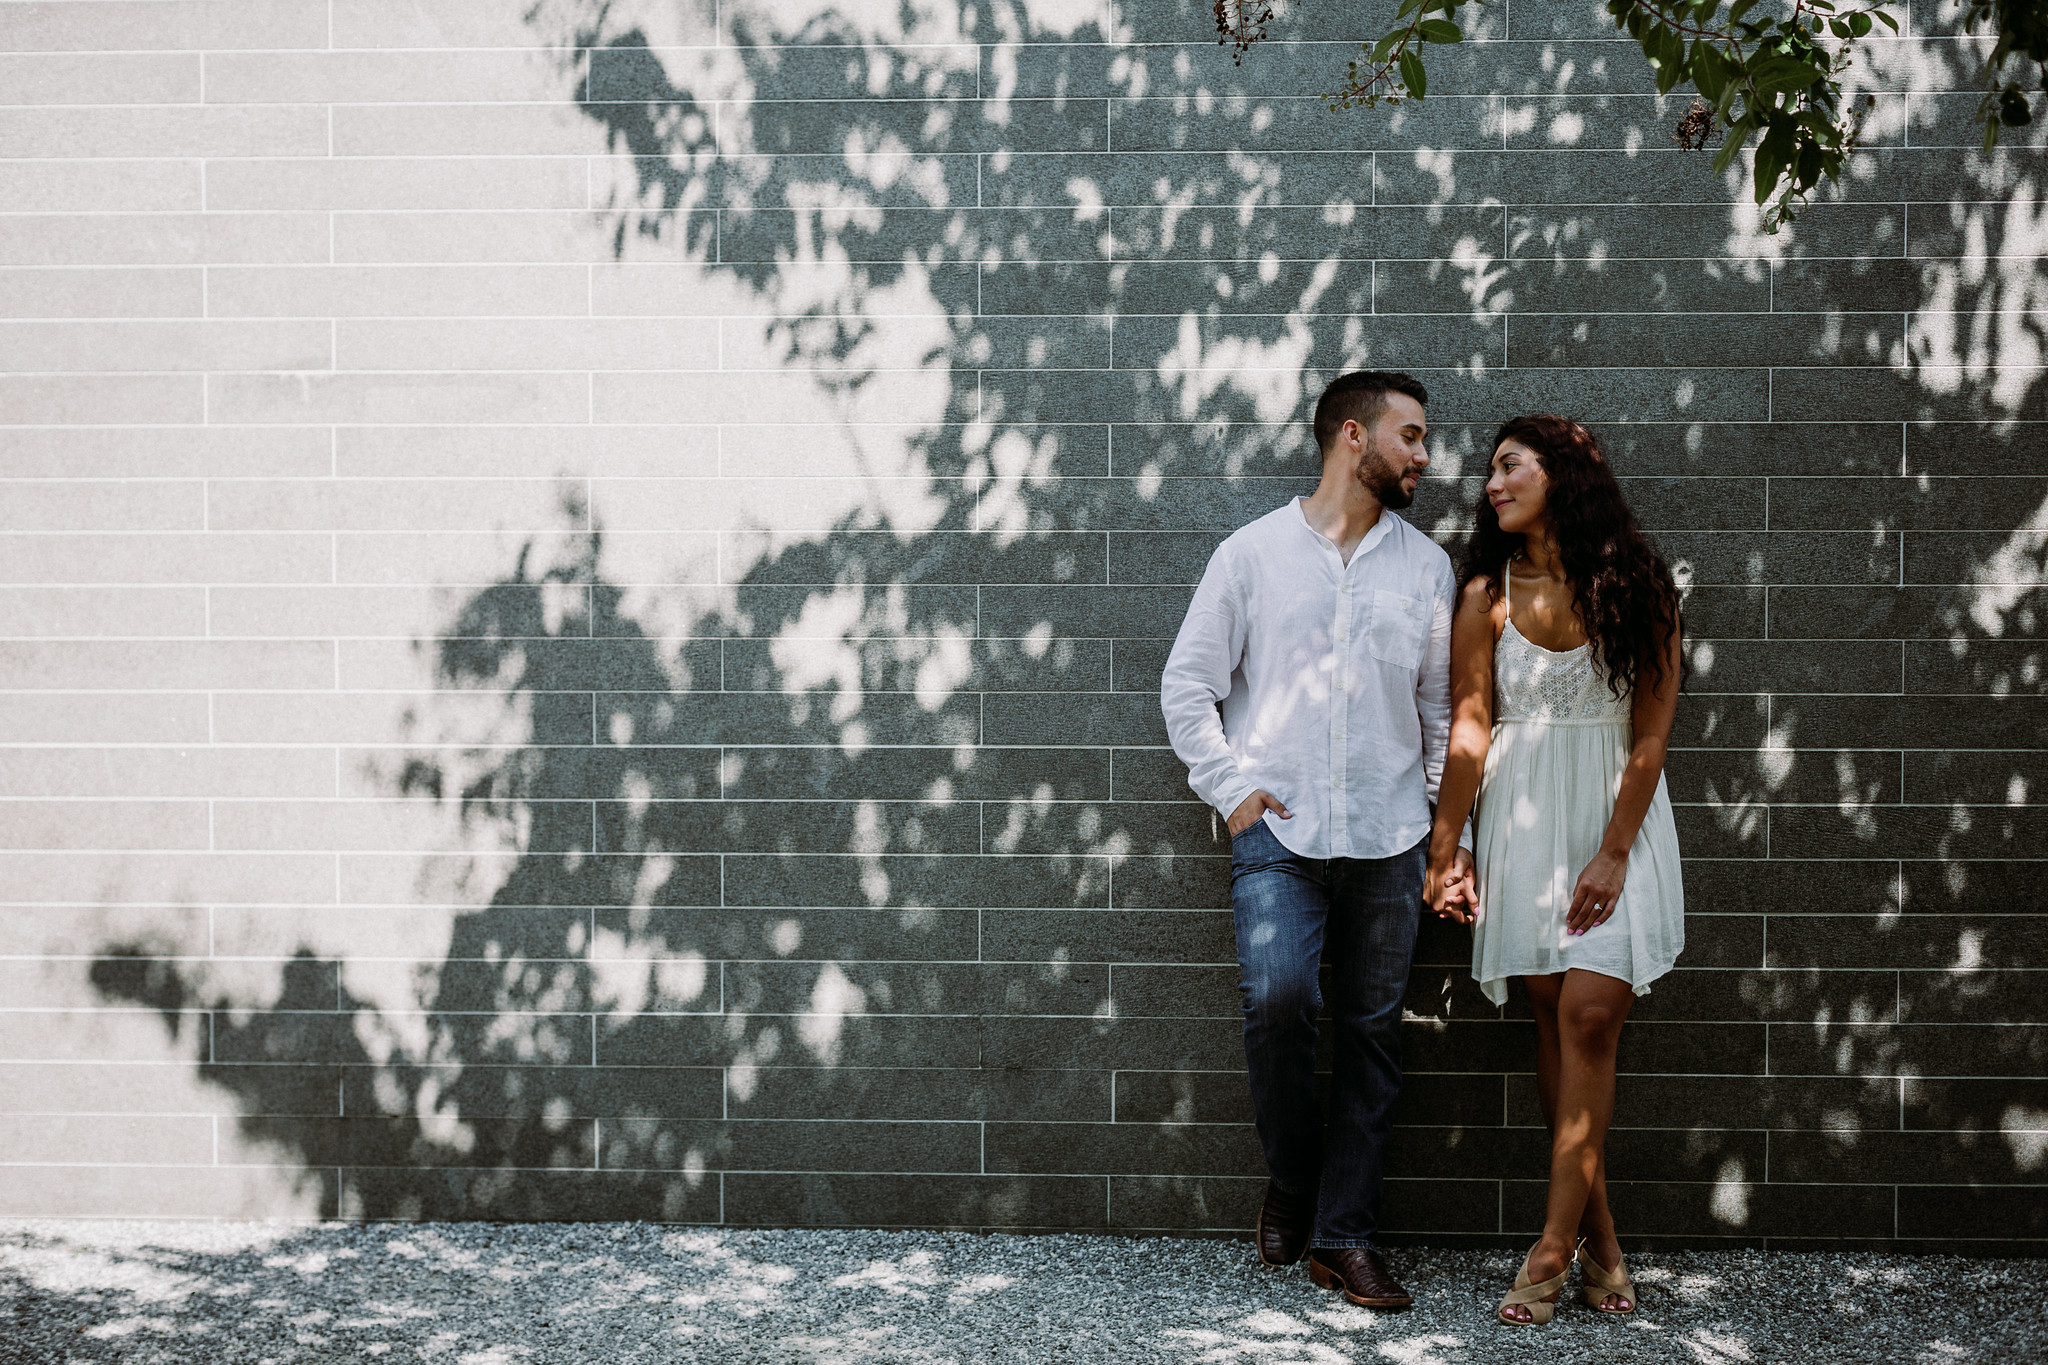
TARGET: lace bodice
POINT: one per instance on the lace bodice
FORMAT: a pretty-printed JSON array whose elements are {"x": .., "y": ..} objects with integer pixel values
[
  {"x": 1567, "y": 688},
  {"x": 1557, "y": 687}
]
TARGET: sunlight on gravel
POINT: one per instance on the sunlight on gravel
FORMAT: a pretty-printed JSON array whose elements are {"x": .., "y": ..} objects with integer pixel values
[{"x": 485, "y": 1294}]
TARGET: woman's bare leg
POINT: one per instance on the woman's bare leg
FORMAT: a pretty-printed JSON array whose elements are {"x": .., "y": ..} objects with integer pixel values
[
  {"x": 1578, "y": 1026},
  {"x": 1597, "y": 1226}
]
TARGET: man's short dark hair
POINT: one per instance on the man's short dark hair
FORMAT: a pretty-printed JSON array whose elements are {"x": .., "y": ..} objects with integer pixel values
[{"x": 1360, "y": 397}]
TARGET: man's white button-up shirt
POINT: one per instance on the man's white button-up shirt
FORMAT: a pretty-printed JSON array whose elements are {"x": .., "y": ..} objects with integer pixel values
[{"x": 1327, "y": 684}]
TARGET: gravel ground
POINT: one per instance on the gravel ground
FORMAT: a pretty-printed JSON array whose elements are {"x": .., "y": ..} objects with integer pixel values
[{"x": 484, "y": 1294}]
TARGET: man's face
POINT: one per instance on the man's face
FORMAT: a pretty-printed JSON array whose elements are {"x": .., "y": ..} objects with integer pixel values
[{"x": 1392, "y": 457}]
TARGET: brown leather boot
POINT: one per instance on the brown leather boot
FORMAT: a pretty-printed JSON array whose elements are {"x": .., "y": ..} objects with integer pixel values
[
  {"x": 1285, "y": 1221},
  {"x": 1360, "y": 1273}
]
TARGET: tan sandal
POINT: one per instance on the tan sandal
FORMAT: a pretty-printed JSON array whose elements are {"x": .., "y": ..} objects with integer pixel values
[
  {"x": 1596, "y": 1283},
  {"x": 1532, "y": 1296}
]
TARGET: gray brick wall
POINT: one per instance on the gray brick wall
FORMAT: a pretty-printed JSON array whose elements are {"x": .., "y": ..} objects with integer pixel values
[{"x": 584, "y": 596}]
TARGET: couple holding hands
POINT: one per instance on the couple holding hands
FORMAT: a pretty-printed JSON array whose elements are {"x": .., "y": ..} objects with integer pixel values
[{"x": 1347, "y": 702}]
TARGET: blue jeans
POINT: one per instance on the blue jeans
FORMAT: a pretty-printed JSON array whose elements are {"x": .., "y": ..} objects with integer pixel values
[{"x": 1360, "y": 916}]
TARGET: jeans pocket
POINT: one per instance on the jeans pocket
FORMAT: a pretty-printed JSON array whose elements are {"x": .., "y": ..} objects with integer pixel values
[{"x": 1247, "y": 843}]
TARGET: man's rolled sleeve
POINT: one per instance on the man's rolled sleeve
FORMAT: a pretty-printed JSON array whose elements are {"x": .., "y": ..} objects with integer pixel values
[{"x": 1205, "y": 653}]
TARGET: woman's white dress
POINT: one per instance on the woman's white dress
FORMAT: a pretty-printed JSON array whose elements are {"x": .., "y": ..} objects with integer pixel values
[{"x": 1561, "y": 741}]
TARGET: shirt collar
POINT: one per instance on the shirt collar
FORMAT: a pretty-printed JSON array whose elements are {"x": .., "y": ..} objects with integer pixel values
[{"x": 1381, "y": 529}]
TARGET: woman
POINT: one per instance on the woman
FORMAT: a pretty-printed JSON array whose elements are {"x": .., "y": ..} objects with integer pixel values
[{"x": 1565, "y": 669}]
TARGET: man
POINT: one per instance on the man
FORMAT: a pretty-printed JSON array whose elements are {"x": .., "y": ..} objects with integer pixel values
[{"x": 1309, "y": 694}]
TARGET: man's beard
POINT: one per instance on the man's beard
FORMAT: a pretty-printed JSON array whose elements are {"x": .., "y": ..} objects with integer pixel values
[{"x": 1380, "y": 481}]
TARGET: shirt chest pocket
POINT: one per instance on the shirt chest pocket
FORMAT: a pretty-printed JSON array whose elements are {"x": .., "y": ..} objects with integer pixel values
[{"x": 1400, "y": 628}]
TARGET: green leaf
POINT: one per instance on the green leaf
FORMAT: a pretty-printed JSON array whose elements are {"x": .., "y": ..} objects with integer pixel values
[
  {"x": 1773, "y": 74},
  {"x": 1738, "y": 9},
  {"x": 1738, "y": 133},
  {"x": 1412, "y": 74},
  {"x": 1440, "y": 31},
  {"x": 1652, "y": 42},
  {"x": 1671, "y": 61},
  {"x": 1887, "y": 20},
  {"x": 1809, "y": 166},
  {"x": 1838, "y": 28},
  {"x": 1386, "y": 44},
  {"x": 1859, "y": 24},
  {"x": 1709, "y": 73},
  {"x": 1408, "y": 7},
  {"x": 1767, "y": 167}
]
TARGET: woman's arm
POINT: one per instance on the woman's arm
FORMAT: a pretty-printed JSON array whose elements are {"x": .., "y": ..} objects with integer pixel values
[
  {"x": 1652, "y": 712},
  {"x": 1472, "y": 639}
]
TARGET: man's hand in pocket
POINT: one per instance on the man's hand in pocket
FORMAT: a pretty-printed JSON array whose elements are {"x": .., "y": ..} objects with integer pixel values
[{"x": 1251, "y": 808}]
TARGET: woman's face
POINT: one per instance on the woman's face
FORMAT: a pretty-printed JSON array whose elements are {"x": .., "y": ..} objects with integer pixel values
[{"x": 1517, "y": 487}]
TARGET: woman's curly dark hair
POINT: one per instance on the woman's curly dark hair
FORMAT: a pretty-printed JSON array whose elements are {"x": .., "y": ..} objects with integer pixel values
[{"x": 1621, "y": 587}]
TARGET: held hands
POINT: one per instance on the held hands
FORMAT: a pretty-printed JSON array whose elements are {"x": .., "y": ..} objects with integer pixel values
[
  {"x": 1251, "y": 808},
  {"x": 1450, "y": 892},
  {"x": 1598, "y": 889}
]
